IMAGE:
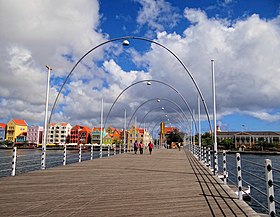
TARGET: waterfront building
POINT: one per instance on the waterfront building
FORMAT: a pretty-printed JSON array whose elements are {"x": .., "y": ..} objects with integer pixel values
[
  {"x": 34, "y": 135},
  {"x": 113, "y": 136},
  {"x": 21, "y": 139},
  {"x": 58, "y": 133},
  {"x": 147, "y": 137},
  {"x": 138, "y": 134},
  {"x": 80, "y": 135},
  {"x": 96, "y": 135},
  {"x": 2, "y": 131},
  {"x": 247, "y": 140},
  {"x": 14, "y": 128}
]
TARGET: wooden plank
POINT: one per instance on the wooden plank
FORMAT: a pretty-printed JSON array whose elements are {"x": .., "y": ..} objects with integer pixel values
[{"x": 161, "y": 184}]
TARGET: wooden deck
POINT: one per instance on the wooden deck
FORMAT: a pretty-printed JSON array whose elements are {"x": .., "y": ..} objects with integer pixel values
[{"x": 166, "y": 183}]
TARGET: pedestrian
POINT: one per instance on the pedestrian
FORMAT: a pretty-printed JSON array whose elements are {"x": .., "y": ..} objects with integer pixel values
[
  {"x": 150, "y": 147},
  {"x": 135, "y": 146},
  {"x": 141, "y": 147}
]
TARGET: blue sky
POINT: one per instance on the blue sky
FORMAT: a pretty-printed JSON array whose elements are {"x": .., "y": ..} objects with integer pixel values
[{"x": 243, "y": 37}]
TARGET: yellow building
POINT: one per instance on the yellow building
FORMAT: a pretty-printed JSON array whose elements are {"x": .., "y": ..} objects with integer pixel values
[{"x": 14, "y": 128}]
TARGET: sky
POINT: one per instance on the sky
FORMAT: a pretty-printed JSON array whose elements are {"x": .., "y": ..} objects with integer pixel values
[{"x": 242, "y": 37}]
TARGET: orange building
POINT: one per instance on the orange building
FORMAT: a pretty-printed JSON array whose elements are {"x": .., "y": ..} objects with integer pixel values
[{"x": 80, "y": 135}]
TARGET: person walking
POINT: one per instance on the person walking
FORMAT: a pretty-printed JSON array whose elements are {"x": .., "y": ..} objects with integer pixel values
[
  {"x": 179, "y": 146},
  {"x": 135, "y": 146},
  {"x": 150, "y": 147},
  {"x": 141, "y": 147}
]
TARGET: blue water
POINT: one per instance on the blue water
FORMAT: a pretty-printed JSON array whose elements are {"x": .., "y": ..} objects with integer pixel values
[
  {"x": 30, "y": 159},
  {"x": 257, "y": 170}
]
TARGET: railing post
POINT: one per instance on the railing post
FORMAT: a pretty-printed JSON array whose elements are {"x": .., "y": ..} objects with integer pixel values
[
  {"x": 100, "y": 151},
  {"x": 14, "y": 161},
  {"x": 239, "y": 176},
  {"x": 205, "y": 155},
  {"x": 80, "y": 154},
  {"x": 115, "y": 149},
  {"x": 91, "y": 152},
  {"x": 108, "y": 150},
  {"x": 209, "y": 158},
  {"x": 225, "y": 166},
  {"x": 269, "y": 188},
  {"x": 64, "y": 155}
]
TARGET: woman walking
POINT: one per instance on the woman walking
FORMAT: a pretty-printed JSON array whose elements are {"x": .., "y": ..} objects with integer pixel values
[
  {"x": 150, "y": 147},
  {"x": 141, "y": 147},
  {"x": 135, "y": 146}
]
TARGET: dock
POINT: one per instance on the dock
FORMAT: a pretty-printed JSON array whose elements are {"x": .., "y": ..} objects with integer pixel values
[{"x": 167, "y": 183}]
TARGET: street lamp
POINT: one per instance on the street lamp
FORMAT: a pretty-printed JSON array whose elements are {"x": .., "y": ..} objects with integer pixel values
[
  {"x": 43, "y": 158},
  {"x": 156, "y": 81},
  {"x": 158, "y": 100},
  {"x": 126, "y": 43},
  {"x": 214, "y": 120}
]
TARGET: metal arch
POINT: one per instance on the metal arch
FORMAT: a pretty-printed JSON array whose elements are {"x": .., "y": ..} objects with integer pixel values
[
  {"x": 137, "y": 38},
  {"x": 158, "y": 98},
  {"x": 177, "y": 112},
  {"x": 157, "y": 81}
]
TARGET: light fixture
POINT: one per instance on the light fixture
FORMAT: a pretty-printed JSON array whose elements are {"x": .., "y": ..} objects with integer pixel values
[
  {"x": 162, "y": 108},
  {"x": 158, "y": 100},
  {"x": 125, "y": 43},
  {"x": 149, "y": 83}
]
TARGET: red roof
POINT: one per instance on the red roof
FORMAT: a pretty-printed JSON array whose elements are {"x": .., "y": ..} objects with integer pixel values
[
  {"x": 87, "y": 129},
  {"x": 169, "y": 129},
  {"x": 2, "y": 125},
  {"x": 96, "y": 129},
  {"x": 20, "y": 122}
]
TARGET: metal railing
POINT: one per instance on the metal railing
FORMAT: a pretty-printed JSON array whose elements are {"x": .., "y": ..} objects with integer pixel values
[
  {"x": 19, "y": 163},
  {"x": 252, "y": 180}
]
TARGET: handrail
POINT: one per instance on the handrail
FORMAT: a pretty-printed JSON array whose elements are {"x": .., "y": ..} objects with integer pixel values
[{"x": 258, "y": 193}]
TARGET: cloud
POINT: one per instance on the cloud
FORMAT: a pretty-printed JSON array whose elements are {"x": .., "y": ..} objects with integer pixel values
[
  {"x": 157, "y": 15},
  {"x": 36, "y": 34},
  {"x": 246, "y": 54}
]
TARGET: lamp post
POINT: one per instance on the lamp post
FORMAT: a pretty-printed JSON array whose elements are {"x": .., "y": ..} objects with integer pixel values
[
  {"x": 101, "y": 133},
  {"x": 214, "y": 120},
  {"x": 124, "y": 133},
  {"x": 199, "y": 127},
  {"x": 43, "y": 158}
]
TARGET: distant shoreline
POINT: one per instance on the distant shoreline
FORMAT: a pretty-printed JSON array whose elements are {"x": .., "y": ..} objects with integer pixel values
[{"x": 255, "y": 152}]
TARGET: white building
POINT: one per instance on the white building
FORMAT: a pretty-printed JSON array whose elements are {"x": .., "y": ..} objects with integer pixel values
[
  {"x": 34, "y": 135},
  {"x": 58, "y": 133}
]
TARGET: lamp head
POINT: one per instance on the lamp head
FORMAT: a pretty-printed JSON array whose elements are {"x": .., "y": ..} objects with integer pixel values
[
  {"x": 149, "y": 83},
  {"x": 125, "y": 43}
]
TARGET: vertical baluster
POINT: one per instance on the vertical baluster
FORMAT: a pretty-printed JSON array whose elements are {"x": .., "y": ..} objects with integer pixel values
[
  {"x": 269, "y": 188},
  {"x": 239, "y": 176},
  {"x": 80, "y": 154},
  {"x": 64, "y": 155},
  {"x": 115, "y": 149},
  {"x": 205, "y": 155},
  {"x": 91, "y": 152},
  {"x": 225, "y": 166},
  {"x": 14, "y": 161},
  {"x": 209, "y": 158},
  {"x": 100, "y": 151},
  {"x": 108, "y": 151}
]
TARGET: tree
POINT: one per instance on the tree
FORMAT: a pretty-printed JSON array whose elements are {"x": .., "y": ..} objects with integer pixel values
[{"x": 206, "y": 139}]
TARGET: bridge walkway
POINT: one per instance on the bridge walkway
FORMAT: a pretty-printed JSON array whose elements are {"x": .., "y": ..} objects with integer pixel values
[{"x": 166, "y": 183}]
